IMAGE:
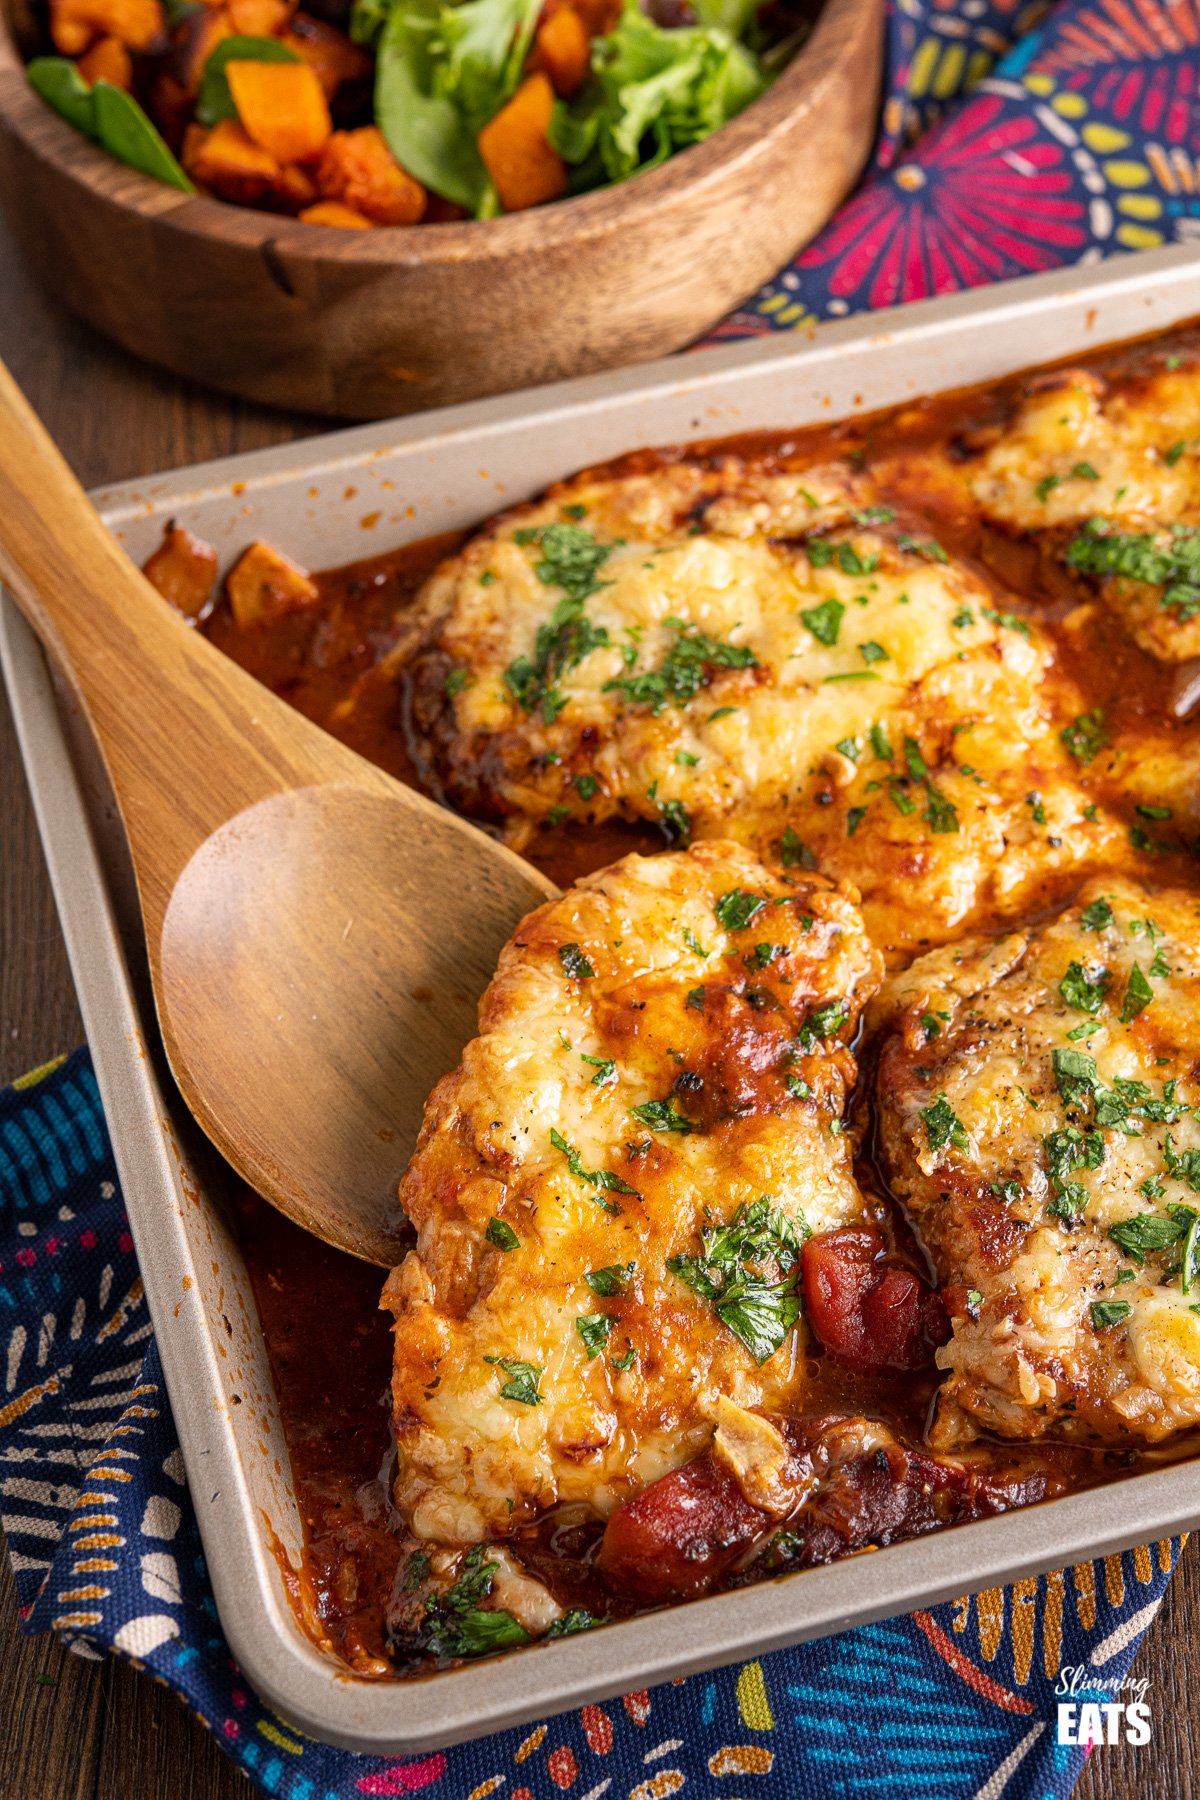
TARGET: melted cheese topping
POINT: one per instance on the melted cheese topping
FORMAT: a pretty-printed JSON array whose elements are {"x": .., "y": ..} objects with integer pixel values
[
  {"x": 535, "y": 1139},
  {"x": 885, "y": 713},
  {"x": 1038, "y": 1094},
  {"x": 1076, "y": 450}
]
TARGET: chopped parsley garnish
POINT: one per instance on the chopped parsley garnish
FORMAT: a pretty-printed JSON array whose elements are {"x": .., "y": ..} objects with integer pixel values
[
  {"x": 854, "y": 819},
  {"x": 763, "y": 955},
  {"x": 940, "y": 814},
  {"x": 502, "y": 1235},
  {"x": 606, "y": 1069},
  {"x": 1010, "y": 1191},
  {"x": 594, "y": 1328},
  {"x": 1138, "y": 995},
  {"x": 874, "y": 515},
  {"x": 823, "y": 1022},
  {"x": 849, "y": 747},
  {"x": 737, "y": 908},
  {"x": 943, "y": 1126},
  {"x": 693, "y": 943},
  {"x": 871, "y": 652},
  {"x": 824, "y": 621},
  {"x": 1067, "y": 1150},
  {"x": 900, "y": 799},
  {"x": 798, "y": 1089},
  {"x": 604, "y": 1179},
  {"x": 1085, "y": 736},
  {"x": 747, "y": 1272},
  {"x": 1009, "y": 620},
  {"x": 455, "y": 682},
  {"x": 1127, "y": 1100},
  {"x": 794, "y": 853},
  {"x": 575, "y": 963},
  {"x": 614, "y": 1279},
  {"x": 1099, "y": 549},
  {"x": 586, "y": 786},
  {"x": 963, "y": 617},
  {"x": 1075, "y": 1074},
  {"x": 1172, "y": 456},
  {"x": 624, "y": 1362},
  {"x": 929, "y": 548},
  {"x": 1147, "y": 1233},
  {"x": 684, "y": 670},
  {"x": 455, "y": 1623},
  {"x": 1109, "y": 1312},
  {"x": 1084, "y": 989},
  {"x": 1184, "y": 1165},
  {"x": 660, "y": 1115},
  {"x": 918, "y": 768},
  {"x": 675, "y": 822},
  {"x": 1097, "y": 916},
  {"x": 879, "y": 743},
  {"x": 523, "y": 1379},
  {"x": 571, "y": 558},
  {"x": 695, "y": 999}
]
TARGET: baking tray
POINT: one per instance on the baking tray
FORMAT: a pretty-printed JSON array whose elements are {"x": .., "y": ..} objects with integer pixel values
[{"x": 330, "y": 501}]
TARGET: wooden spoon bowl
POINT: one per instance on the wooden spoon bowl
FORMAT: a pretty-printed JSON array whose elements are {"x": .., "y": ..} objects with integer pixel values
[
  {"x": 374, "y": 323},
  {"x": 318, "y": 935}
]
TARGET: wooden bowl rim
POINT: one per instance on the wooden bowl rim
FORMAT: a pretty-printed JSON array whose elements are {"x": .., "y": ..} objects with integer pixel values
[{"x": 561, "y": 225}]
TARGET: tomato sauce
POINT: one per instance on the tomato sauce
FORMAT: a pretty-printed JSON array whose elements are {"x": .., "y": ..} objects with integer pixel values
[{"x": 341, "y": 662}]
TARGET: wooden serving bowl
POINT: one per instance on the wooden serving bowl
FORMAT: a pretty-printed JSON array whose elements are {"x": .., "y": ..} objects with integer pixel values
[{"x": 373, "y": 323}]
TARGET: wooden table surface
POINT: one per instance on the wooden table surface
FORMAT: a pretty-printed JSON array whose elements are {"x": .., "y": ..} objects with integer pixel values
[{"x": 71, "y": 1729}]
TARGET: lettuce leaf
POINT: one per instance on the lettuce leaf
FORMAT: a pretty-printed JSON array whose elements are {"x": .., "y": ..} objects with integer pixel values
[{"x": 654, "y": 91}]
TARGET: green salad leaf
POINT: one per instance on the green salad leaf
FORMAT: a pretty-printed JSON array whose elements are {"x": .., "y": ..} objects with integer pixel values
[
  {"x": 654, "y": 91},
  {"x": 442, "y": 72},
  {"x": 109, "y": 116},
  {"x": 214, "y": 101}
]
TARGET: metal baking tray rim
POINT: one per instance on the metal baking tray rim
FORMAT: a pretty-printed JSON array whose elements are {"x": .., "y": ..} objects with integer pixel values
[{"x": 164, "y": 1185}]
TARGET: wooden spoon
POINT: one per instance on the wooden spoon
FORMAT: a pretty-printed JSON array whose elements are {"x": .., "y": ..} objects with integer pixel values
[{"x": 318, "y": 934}]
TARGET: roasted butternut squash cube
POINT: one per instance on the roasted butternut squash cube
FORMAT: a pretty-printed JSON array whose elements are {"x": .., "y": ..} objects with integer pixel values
[
  {"x": 563, "y": 50},
  {"x": 183, "y": 569},
  {"x": 264, "y": 585},
  {"x": 108, "y": 60},
  {"x": 358, "y": 168},
  {"x": 328, "y": 52},
  {"x": 333, "y": 212},
  {"x": 258, "y": 18},
  {"x": 229, "y": 162},
  {"x": 517, "y": 152},
  {"x": 75, "y": 24},
  {"x": 282, "y": 108}
]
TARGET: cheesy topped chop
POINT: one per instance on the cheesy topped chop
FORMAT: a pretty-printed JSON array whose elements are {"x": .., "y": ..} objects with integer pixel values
[
  {"x": 1112, "y": 474},
  {"x": 612, "y": 1190},
  {"x": 1039, "y": 1104},
  {"x": 772, "y": 657}
]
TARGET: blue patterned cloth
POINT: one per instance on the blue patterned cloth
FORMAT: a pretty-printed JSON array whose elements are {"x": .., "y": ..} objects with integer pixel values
[{"x": 956, "y": 1702}]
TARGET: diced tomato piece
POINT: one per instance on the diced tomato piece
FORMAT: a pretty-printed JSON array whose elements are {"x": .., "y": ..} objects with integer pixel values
[
  {"x": 870, "y": 1312},
  {"x": 678, "y": 1536}
]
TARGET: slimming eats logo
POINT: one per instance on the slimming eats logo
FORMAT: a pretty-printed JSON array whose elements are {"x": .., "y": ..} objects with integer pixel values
[{"x": 1094, "y": 1711}]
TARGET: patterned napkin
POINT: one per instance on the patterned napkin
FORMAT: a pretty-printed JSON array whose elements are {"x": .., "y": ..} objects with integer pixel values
[{"x": 1006, "y": 146}]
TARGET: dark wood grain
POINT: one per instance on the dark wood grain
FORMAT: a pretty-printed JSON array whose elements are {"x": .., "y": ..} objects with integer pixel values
[
  {"x": 366, "y": 324},
  {"x": 97, "y": 1731}
]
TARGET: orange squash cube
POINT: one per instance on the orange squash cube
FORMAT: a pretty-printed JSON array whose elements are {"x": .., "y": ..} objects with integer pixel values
[
  {"x": 258, "y": 18},
  {"x": 563, "y": 49},
  {"x": 332, "y": 212},
  {"x": 518, "y": 154},
  {"x": 183, "y": 569},
  {"x": 264, "y": 584},
  {"x": 74, "y": 24},
  {"x": 282, "y": 107},
  {"x": 229, "y": 162},
  {"x": 108, "y": 60},
  {"x": 358, "y": 169}
]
